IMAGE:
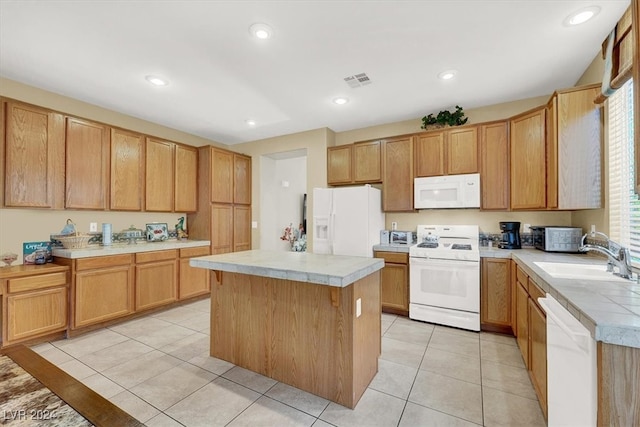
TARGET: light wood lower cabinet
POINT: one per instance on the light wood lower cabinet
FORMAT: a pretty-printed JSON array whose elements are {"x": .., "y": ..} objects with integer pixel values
[
  {"x": 193, "y": 281},
  {"x": 34, "y": 302},
  {"x": 532, "y": 334},
  {"x": 495, "y": 295},
  {"x": 394, "y": 282},
  {"x": 103, "y": 289},
  {"x": 156, "y": 278}
]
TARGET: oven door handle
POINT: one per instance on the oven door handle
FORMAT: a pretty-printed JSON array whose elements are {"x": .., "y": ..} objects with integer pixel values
[{"x": 437, "y": 261}]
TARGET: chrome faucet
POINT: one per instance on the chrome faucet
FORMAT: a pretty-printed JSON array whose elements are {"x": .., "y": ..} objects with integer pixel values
[{"x": 622, "y": 259}]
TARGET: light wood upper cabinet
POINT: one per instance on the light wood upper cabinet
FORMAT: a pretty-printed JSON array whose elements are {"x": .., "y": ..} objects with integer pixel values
[
  {"x": 367, "y": 162},
  {"x": 34, "y": 157},
  {"x": 339, "y": 165},
  {"x": 462, "y": 151},
  {"x": 222, "y": 171},
  {"x": 574, "y": 149},
  {"x": 159, "y": 175},
  {"x": 186, "y": 179},
  {"x": 127, "y": 170},
  {"x": 397, "y": 175},
  {"x": 494, "y": 170},
  {"x": 449, "y": 152},
  {"x": 528, "y": 158},
  {"x": 241, "y": 179},
  {"x": 87, "y": 165},
  {"x": 429, "y": 154}
]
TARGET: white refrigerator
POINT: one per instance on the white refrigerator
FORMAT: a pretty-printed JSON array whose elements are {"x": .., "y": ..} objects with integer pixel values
[{"x": 347, "y": 221}]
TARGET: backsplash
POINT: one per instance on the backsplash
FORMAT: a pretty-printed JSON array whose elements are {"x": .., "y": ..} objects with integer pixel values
[
  {"x": 96, "y": 238},
  {"x": 526, "y": 239}
]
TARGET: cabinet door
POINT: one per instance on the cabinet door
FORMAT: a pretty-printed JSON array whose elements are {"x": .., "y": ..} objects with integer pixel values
[
  {"x": 33, "y": 314},
  {"x": 87, "y": 165},
  {"x": 127, "y": 170},
  {"x": 538, "y": 352},
  {"x": 103, "y": 294},
  {"x": 494, "y": 167},
  {"x": 429, "y": 154},
  {"x": 462, "y": 151},
  {"x": 156, "y": 284},
  {"x": 495, "y": 303},
  {"x": 34, "y": 157},
  {"x": 339, "y": 168},
  {"x": 159, "y": 182},
  {"x": 186, "y": 179},
  {"x": 367, "y": 162},
  {"x": 522, "y": 311},
  {"x": 395, "y": 286},
  {"x": 241, "y": 228},
  {"x": 221, "y": 229},
  {"x": 193, "y": 281},
  {"x": 241, "y": 179},
  {"x": 222, "y": 172},
  {"x": 397, "y": 180},
  {"x": 579, "y": 150},
  {"x": 528, "y": 159}
]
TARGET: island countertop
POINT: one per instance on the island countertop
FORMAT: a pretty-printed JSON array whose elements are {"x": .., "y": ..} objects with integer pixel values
[{"x": 330, "y": 270}]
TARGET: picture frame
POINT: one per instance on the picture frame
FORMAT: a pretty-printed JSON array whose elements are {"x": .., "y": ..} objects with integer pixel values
[{"x": 157, "y": 232}]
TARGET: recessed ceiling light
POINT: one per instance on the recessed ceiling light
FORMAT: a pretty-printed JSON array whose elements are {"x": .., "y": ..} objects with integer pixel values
[
  {"x": 261, "y": 30},
  {"x": 447, "y": 75},
  {"x": 340, "y": 100},
  {"x": 250, "y": 122},
  {"x": 157, "y": 81},
  {"x": 581, "y": 16}
]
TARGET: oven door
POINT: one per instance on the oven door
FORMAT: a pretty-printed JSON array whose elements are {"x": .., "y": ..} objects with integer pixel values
[{"x": 453, "y": 284}]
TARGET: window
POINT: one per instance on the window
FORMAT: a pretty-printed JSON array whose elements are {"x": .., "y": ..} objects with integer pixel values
[{"x": 624, "y": 205}]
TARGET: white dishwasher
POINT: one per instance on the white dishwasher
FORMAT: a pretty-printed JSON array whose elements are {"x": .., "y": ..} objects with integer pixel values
[{"x": 571, "y": 368}]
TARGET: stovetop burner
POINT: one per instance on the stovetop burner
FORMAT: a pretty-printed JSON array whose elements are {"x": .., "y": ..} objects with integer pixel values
[
  {"x": 429, "y": 245},
  {"x": 461, "y": 247}
]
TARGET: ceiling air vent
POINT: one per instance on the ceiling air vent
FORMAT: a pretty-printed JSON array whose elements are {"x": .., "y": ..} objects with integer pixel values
[{"x": 357, "y": 80}]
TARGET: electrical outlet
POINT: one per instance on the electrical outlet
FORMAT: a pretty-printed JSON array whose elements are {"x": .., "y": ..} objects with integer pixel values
[
  {"x": 358, "y": 307},
  {"x": 254, "y": 224},
  {"x": 593, "y": 228},
  {"x": 93, "y": 226},
  {"x": 394, "y": 225},
  {"x": 526, "y": 228}
]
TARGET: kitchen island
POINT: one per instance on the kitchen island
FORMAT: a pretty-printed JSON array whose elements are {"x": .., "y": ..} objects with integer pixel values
[{"x": 308, "y": 320}]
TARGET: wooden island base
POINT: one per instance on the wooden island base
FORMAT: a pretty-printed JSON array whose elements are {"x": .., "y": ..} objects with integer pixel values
[{"x": 302, "y": 334}]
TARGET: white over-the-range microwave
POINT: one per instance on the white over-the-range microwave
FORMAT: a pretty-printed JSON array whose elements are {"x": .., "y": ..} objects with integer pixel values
[{"x": 447, "y": 192}]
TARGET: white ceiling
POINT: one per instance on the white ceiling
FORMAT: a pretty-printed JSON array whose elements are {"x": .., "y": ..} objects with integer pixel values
[{"x": 100, "y": 51}]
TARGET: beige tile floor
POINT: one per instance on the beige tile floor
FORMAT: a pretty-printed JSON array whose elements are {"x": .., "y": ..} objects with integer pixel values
[{"x": 158, "y": 369}]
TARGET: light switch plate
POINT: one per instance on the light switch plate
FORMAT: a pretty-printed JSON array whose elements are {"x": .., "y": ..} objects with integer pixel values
[
  {"x": 93, "y": 226},
  {"x": 254, "y": 224}
]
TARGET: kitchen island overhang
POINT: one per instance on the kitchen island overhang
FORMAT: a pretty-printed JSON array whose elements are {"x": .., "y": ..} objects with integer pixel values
[{"x": 308, "y": 320}]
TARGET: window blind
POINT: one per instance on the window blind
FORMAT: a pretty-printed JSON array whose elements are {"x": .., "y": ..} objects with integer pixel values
[{"x": 624, "y": 205}]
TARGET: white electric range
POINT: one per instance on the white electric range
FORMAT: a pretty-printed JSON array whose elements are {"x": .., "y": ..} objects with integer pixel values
[{"x": 444, "y": 276}]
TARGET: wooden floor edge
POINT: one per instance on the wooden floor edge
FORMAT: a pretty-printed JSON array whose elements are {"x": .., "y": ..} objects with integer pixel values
[{"x": 85, "y": 401}]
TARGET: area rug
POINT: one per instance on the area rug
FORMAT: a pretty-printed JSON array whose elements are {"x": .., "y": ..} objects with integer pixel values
[
  {"x": 26, "y": 401},
  {"x": 35, "y": 392}
]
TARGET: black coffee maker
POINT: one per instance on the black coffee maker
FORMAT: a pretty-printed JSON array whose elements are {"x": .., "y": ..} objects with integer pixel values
[{"x": 510, "y": 235}]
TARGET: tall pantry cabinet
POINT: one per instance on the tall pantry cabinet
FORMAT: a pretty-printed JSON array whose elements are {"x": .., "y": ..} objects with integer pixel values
[{"x": 224, "y": 191}]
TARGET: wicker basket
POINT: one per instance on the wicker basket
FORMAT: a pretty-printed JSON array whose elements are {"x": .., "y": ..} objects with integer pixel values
[{"x": 73, "y": 240}]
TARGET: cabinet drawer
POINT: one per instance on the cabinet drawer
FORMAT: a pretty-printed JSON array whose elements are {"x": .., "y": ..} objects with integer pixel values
[
  {"x": 535, "y": 292},
  {"x": 522, "y": 277},
  {"x": 103, "y": 261},
  {"x": 393, "y": 257},
  {"x": 191, "y": 252},
  {"x": 156, "y": 256},
  {"x": 37, "y": 282}
]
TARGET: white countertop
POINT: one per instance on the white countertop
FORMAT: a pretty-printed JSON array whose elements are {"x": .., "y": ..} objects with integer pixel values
[
  {"x": 124, "y": 248},
  {"x": 331, "y": 270}
]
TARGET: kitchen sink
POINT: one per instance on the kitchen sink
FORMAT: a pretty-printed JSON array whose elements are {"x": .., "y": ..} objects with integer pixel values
[{"x": 561, "y": 270}]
